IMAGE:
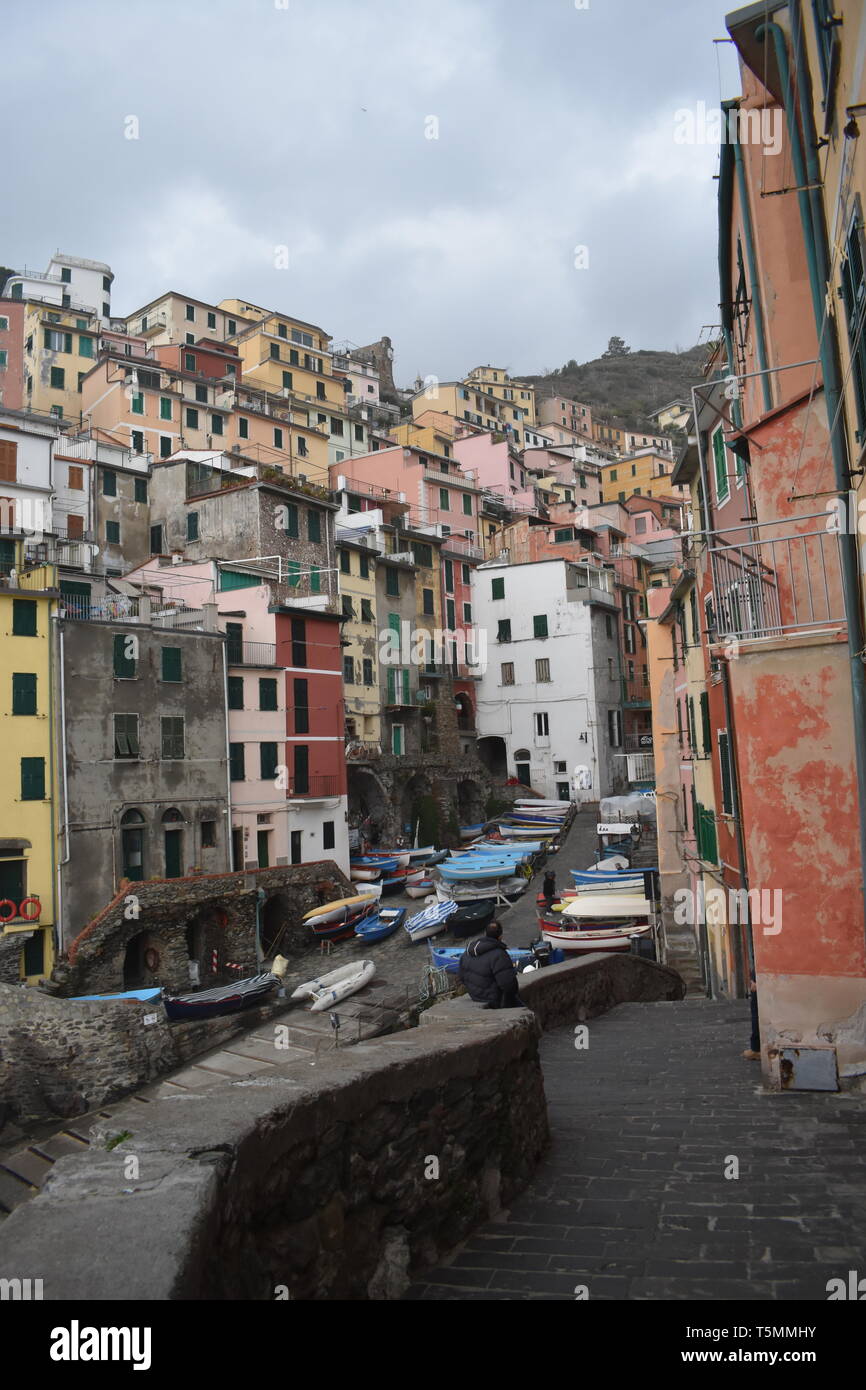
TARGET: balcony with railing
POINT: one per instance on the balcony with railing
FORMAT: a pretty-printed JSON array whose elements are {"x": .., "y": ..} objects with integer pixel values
[
  {"x": 315, "y": 787},
  {"x": 251, "y": 653},
  {"x": 362, "y": 751},
  {"x": 776, "y": 579},
  {"x": 635, "y": 692}
]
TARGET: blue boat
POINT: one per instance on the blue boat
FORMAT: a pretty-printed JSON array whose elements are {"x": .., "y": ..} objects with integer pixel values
[
  {"x": 142, "y": 994},
  {"x": 602, "y": 876},
  {"x": 448, "y": 957},
  {"x": 372, "y": 861},
  {"x": 380, "y": 925},
  {"x": 431, "y": 921}
]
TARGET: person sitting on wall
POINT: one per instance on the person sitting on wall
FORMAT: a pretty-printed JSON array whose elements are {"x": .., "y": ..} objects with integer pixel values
[{"x": 488, "y": 973}]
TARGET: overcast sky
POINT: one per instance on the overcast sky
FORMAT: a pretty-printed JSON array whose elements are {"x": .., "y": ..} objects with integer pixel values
[{"x": 306, "y": 124}]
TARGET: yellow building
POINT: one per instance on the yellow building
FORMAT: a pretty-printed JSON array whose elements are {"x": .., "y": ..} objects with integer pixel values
[
  {"x": 645, "y": 474},
  {"x": 28, "y": 772},
  {"x": 471, "y": 402},
  {"x": 432, "y": 431},
  {"x": 357, "y": 576},
  {"x": 496, "y": 382},
  {"x": 60, "y": 347}
]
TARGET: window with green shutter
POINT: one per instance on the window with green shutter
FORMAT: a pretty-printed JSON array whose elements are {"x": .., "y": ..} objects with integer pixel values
[
  {"x": 165, "y": 407},
  {"x": 314, "y": 526},
  {"x": 345, "y": 562},
  {"x": 363, "y": 566},
  {"x": 109, "y": 483},
  {"x": 138, "y": 403},
  {"x": 423, "y": 554},
  {"x": 237, "y": 768},
  {"x": 58, "y": 378},
  {"x": 235, "y": 643},
  {"x": 727, "y": 773},
  {"x": 32, "y": 779},
  {"x": 690, "y": 706},
  {"x": 23, "y": 693},
  {"x": 125, "y": 656},
  {"x": 172, "y": 737},
  {"x": 449, "y": 577},
  {"x": 112, "y": 532},
  {"x": 315, "y": 580},
  {"x": 24, "y": 617},
  {"x": 444, "y": 500},
  {"x": 302, "y": 768},
  {"x": 539, "y": 625},
  {"x": 267, "y": 693},
  {"x": 720, "y": 464},
  {"x": 391, "y": 685},
  {"x": 236, "y": 692},
  {"x": 126, "y": 736},
  {"x": 268, "y": 761},
  {"x": 141, "y": 489},
  {"x": 172, "y": 664},
  {"x": 392, "y": 582},
  {"x": 291, "y": 512},
  {"x": 706, "y": 736},
  {"x": 192, "y": 526},
  {"x": 497, "y": 588},
  {"x": 467, "y": 503},
  {"x": 85, "y": 347},
  {"x": 293, "y": 574},
  {"x": 405, "y": 675}
]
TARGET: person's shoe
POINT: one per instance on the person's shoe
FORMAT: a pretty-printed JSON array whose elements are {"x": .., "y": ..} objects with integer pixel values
[{"x": 752, "y": 1056}]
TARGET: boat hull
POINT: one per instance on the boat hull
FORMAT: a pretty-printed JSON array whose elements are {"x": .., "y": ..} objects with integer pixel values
[{"x": 226, "y": 999}]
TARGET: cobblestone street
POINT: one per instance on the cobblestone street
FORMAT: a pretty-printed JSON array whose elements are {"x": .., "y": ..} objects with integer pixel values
[{"x": 632, "y": 1199}]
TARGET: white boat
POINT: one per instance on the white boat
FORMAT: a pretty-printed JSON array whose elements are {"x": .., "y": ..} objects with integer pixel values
[
  {"x": 430, "y": 921},
  {"x": 336, "y": 985},
  {"x": 420, "y": 889},
  {"x": 633, "y": 886},
  {"x": 606, "y": 906},
  {"x": 541, "y": 805},
  {"x": 367, "y": 875},
  {"x": 418, "y": 856},
  {"x": 471, "y": 893},
  {"x": 342, "y": 907},
  {"x": 611, "y": 938}
]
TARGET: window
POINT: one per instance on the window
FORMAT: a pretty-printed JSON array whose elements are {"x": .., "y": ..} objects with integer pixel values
[
  {"x": 347, "y": 606},
  {"x": 190, "y": 313},
  {"x": 4, "y": 358},
  {"x": 299, "y": 642},
  {"x": 112, "y": 532},
  {"x": 444, "y": 500},
  {"x": 138, "y": 403},
  {"x": 140, "y": 489},
  {"x": 467, "y": 503},
  {"x": 301, "y": 445},
  {"x": 137, "y": 441},
  {"x": 201, "y": 394},
  {"x": 368, "y": 670},
  {"x": 23, "y": 693},
  {"x": 85, "y": 346},
  {"x": 392, "y": 582},
  {"x": 191, "y": 418},
  {"x": 427, "y": 601},
  {"x": 236, "y": 692},
  {"x": 32, "y": 779},
  {"x": 302, "y": 768},
  {"x": 156, "y": 540},
  {"x": 449, "y": 577},
  {"x": 327, "y": 834},
  {"x": 172, "y": 664},
  {"x": 314, "y": 526},
  {"x": 336, "y": 426},
  {"x": 503, "y": 633},
  {"x": 542, "y": 669},
  {"x": 278, "y": 439},
  {"x": 359, "y": 434},
  {"x": 126, "y": 736},
  {"x": 465, "y": 575},
  {"x": 208, "y": 834},
  {"x": 727, "y": 773},
  {"x": 364, "y": 566},
  {"x": 301, "y": 696},
  {"x": 57, "y": 342},
  {"x": 497, "y": 588},
  {"x": 423, "y": 554},
  {"x": 216, "y": 424},
  {"x": 243, "y": 427},
  {"x": 192, "y": 526},
  {"x": 58, "y": 378},
  {"x": 539, "y": 625},
  {"x": 232, "y": 326},
  {"x": 542, "y": 724},
  {"x": 720, "y": 466},
  {"x": 450, "y": 615},
  {"x": 189, "y": 361},
  {"x": 165, "y": 448},
  {"x": 507, "y": 672},
  {"x": 237, "y": 770},
  {"x": 268, "y": 757},
  {"x": 24, "y": 617},
  {"x": 290, "y": 514},
  {"x": 275, "y": 352},
  {"x": 75, "y": 479},
  {"x": 349, "y": 670},
  {"x": 267, "y": 692},
  {"x": 467, "y": 612},
  {"x": 172, "y": 736},
  {"x": 125, "y": 656}
]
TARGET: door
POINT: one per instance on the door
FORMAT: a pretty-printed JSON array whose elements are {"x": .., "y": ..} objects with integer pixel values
[
  {"x": 296, "y": 846},
  {"x": 237, "y": 850},
  {"x": 563, "y": 791},
  {"x": 262, "y": 842},
  {"x": 132, "y": 849},
  {"x": 235, "y": 643},
  {"x": 173, "y": 853},
  {"x": 522, "y": 770}
]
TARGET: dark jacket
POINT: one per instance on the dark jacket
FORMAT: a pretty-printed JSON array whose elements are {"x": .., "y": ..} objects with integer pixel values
[{"x": 487, "y": 972}]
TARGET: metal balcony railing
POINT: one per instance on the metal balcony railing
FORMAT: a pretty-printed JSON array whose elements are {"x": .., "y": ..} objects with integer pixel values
[
  {"x": 251, "y": 653},
  {"x": 316, "y": 786},
  {"x": 772, "y": 579}
]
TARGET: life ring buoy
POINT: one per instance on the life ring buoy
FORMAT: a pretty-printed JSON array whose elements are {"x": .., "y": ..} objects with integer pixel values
[
  {"x": 4, "y": 903},
  {"x": 30, "y": 916},
  {"x": 151, "y": 959}
]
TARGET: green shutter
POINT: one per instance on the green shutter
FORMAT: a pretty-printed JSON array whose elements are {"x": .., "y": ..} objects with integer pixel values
[
  {"x": 705, "y": 723},
  {"x": 171, "y": 664},
  {"x": 392, "y": 700},
  {"x": 32, "y": 779},
  {"x": 24, "y": 617},
  {"x": 236, "y": 692},
  {"x": 315, "y": 580},
  {"x": 406, "y": 686},
  {"x": 267, "y": 693},
  {"x": 236, "y": 762},
  {"x": 725, "y": 761},
  {"x": 165, "y": 407},
  {"x": 234, "y": 579},
  {"x": 539, "y": 625},
  {"x": 293, "y": 578},
  {"x": 268, "y": 761},
  {"x": 124, "y": 661},
  {"x": 691, "y": 714},
  {"x": 292, "y": 520},
  {"x": 314, "y": 526},
  {"x": 23, "y": 693},
  {"x": 721, "y": 466}
]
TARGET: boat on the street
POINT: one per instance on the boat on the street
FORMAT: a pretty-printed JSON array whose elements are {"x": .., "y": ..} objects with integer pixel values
[
  {"x": 470, "y": 919},
  {"x": 375, "y": 926},
  {"x": 419, "y": 888},
  {"x": 341, "y": 908},
  {"x": 327, "y": 990},
  {"x": 226, "y": 999},
  {"x": 448, "y": 957},
  {"x": 431, "y": 921},
  {"x": 139, "y": 995},
  {"x": 616, "y": 937}
]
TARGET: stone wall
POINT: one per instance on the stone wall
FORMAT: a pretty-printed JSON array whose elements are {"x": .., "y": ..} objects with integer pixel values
[
  {"x": 184, "y": 919},
  {"x": 333, "y": 1182}
]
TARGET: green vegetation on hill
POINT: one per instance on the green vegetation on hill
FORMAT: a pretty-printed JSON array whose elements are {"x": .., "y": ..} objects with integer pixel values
[{"x": 622, "y": 385}]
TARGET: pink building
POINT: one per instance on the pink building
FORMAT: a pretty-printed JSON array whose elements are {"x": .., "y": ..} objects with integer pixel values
[{"x": 497, "y": 468}]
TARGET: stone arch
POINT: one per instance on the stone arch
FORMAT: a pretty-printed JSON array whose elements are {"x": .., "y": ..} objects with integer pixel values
[
  {"x": 370, "y": 803},
  {"x": 145, "y": 961},
  {"x": 470, "y": 802},
  {"x": 493, "y": 756},
  {"x": 276, "y": 923}
]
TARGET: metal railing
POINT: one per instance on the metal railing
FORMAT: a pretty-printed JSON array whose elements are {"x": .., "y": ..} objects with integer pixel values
[
  {"x": 773, "y": 585},
  {"x": 316, "y": 786},
  {"x": 251, "y": 653},
  {"x": 362, "y": 751}
]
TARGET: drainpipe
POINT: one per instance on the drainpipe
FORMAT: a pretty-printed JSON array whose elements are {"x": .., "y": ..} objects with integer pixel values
[
  {"x": 738, "y": 824},
  {"x": 818, "y": 258}
]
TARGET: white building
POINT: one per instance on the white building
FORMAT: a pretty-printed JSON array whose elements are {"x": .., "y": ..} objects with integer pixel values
[
  {"x": 70, "y": 282},
  {"x": 549, "y": 701}
]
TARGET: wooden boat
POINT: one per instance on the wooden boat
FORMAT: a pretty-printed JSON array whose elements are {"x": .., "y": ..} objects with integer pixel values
[
  {"x": 421, "y": 855},
  {"x": 470, "y": 919},
  {"x": 468, "y": 832},
  {"x": 228, "y": 999},
  {"x": 479, "y": 867},
  {"x": 431, "y": 921},
  {"x": 606, "y": 906},
  {"x": 338, "y": 931},
  {"x": 377, "y": 925},
  {"x": 327, "y": 990},
  {"x": 363, "y": 873},
  {"x": 136, "y": 995},
  {"x": 341, "y": 908},
  {"x": 396, "y": 882},
  {"x": 612, "y": 938},
  {"x": 420, "y": 888},
  {"x": 448, "y": 957},
  {"x": 510, "y": 888},
  {"x": 500, "y": 847},
  {"x": 396, "y": 858}
]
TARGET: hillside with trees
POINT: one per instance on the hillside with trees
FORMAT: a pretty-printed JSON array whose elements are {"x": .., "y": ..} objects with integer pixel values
[{"x": 623, "y": 385}]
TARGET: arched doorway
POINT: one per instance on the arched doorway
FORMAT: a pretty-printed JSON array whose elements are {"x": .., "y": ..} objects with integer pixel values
[
  {"x": 172, "y": 822},
  {"x": 470, "y": 802},
  {"x": 492, "y": 755},
  {"x": 368, "y": 804},
  {"x": 419, "y": 814},
  {"x": 143, "y": 961},
  {"x": 132, "y": 846},
  {"x": 465, "y": 713},
  {"x": 522, "y": 757},
  {"x": 275, "y": 922}
]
